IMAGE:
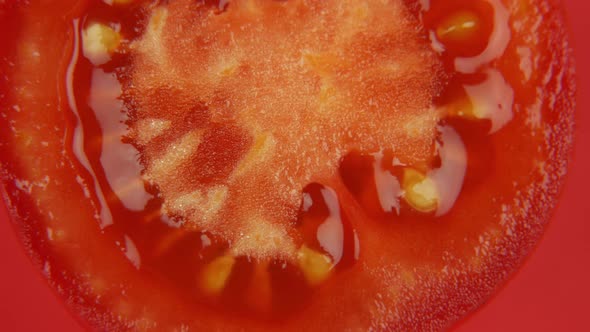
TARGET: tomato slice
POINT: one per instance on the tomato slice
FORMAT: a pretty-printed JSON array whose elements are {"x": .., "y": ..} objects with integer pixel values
[{"x": 260, "y": 164}]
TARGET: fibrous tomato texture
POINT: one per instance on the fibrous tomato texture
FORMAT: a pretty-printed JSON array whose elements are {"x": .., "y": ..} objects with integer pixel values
[
  {"x": 267, "y": 97},
  {"x": 295, "y": 165}
]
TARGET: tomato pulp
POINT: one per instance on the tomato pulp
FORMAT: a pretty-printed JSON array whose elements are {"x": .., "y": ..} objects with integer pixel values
[{"x": 376, "y": 164}]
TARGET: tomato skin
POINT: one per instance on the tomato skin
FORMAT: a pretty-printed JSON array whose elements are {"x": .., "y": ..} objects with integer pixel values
[{"x": 20, "y": 159}]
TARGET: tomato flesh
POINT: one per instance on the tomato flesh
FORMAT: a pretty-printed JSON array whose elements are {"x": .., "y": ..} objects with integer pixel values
[{"x": 282, "y": 164}]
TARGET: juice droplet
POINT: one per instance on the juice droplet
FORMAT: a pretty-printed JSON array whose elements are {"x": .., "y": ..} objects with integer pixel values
[
  {"x": 449, "y": 177},
  {"x": 492, "y": 99},
  {"x": 324, "y": 225}
]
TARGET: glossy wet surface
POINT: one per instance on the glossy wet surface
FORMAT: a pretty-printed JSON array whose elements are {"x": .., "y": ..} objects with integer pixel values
[{"x": 188, "y": 185}]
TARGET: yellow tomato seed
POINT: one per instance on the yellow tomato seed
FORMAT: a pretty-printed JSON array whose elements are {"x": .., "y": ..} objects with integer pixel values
[
  {"x": 420, "y": 191},
  {"x": 459, "y": 27}
]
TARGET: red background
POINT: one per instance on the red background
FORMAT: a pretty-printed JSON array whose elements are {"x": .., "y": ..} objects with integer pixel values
[{"x": 550, "y": 293}]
